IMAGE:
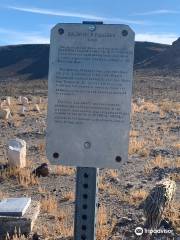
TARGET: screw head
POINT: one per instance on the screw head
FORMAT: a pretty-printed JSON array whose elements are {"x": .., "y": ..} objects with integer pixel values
[
  {"x": 124, "y": 33},
  {"x": 92, "y": 28},
  {"x": 118, "y": 159},
  {"x": 55, "y": 155},
  {"x": 87, "y": 145},
  {"x": 61, "y": 31}
]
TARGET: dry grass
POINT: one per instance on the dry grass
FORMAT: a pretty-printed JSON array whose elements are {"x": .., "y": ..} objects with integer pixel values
[
  {"x": 104, "y": 229},
  {"x": 61, "y": 228},
  {"x": 150, "y": 107},
  {"x": 42, "y": 148},
  {"x": 61, "y": 214},
  {"x": 24, "y": 176},
  {"x": 102, "y": 186},
  {"x": 135, "y": 108},
  {"x": 176, "y": 145},
  {"x": 112, "y": 173},
  {"x": 137, "y": 196},
  {"x": 134, "y": 133},
  {"x": 146, "y": 106},
  {"x": 16, "y": 237},
  {"x": 162, "y": 162},
  {"x": 137, "y": 147},
  {"x": 170, "y": 106},
  {"x": 64, "y": 171},
  {"x": 49, "y": 205},
  {"x": 175, "y": 177},
  {"x": 68, "y": 196},
  {"x": 173, "y": 214},
  {"x": 133, "y": 198},
  {"x": 3, "y": 195}
]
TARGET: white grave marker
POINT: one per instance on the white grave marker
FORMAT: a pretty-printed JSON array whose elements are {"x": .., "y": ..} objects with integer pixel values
[
  {"x": 17, "y": 153},
  {"x": 89, "y": 96},
  {"x": 14, "y": 206}
]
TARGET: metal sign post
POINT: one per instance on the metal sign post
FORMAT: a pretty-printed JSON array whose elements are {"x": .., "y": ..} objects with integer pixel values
[
  {"x": 86, "y": 203},
  {"x": 89, "y": 102}
]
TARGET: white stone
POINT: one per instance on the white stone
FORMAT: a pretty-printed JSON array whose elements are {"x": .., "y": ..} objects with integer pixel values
[
  {"x": 140, "y": 101},
  {"x": 23, "y": 110},
  {"x": 17, "y": 153},
  {"x": 25, "y": 101},
  {"x": 8, "y": 101},
  {"x": 24, "y": 223},
  {"x": 5, "y": 114},
  {"x": 14, "y": 206},
  {"x": 3, "y": 103},
  {"x": 40, "y": 100},
  {"x": 36, "y": 108},
  {"x": 20, "y": 99}
]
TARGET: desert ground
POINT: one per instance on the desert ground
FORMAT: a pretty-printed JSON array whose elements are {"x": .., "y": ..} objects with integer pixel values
[{"x": 154, "y": 153}]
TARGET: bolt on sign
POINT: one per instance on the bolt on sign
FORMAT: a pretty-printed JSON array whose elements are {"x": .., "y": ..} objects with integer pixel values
[{"x": 89, "y": 94}]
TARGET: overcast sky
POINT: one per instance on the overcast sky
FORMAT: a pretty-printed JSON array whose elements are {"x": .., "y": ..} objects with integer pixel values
[{"x": 24, "y": 21}]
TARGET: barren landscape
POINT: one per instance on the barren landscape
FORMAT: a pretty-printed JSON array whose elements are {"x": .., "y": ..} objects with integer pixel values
[{"x": 154, "y": 153}]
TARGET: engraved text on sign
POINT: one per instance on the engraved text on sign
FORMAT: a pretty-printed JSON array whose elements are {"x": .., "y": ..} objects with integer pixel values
[{"x": 90, "y": 81}]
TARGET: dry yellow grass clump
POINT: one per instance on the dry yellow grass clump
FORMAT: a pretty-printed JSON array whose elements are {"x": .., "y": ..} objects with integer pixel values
[
  {"x": 162, "y": 162},
  {"x": 49, "y": 204},
  {"x": 3, "y": 195},
  {"x": 150, "y": 107},
  {"x": 145, "y": 106},
  {"x": 134, "y": 133},
  {"x": 176, "y": 145},
  {"x": 24, "y": 176},
  {"x": 137, "y": 147},
  {"x": 169, "y": 106},
  {"x": 113, "y": 173},
  {"x": 137, "y": 196},
  {"x": 64, "y": 171},
  {"x": 68, "y": 196},
  {"x": 16, "y": 237},
  {"x": 173, "y": 214},
  {"x": 62, "y": 227},
  {"x": 103, "y": 228}
]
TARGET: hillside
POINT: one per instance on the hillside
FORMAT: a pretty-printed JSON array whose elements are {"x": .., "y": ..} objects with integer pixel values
[
  {"x": 31, "y": 61},
  {"x": 167, "y": 61}
]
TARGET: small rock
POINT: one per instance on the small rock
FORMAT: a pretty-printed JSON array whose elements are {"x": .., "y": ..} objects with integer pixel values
[
  {"x": 42, "y": 170},
  {"x": 160, "y": 151},
  {"x": 166, "y": 224},
  {"x": 3, "y": 166},
  {"x": 125, "y": 221},
  {"x": 144, "y": 181},
  {"x": 36, "y": 108},
  {"x": 129, "y": 185},
  {"x": 35, "y": 236},
  {"x": 175, "y": 129},
  {"x": 115, "y": 180}
]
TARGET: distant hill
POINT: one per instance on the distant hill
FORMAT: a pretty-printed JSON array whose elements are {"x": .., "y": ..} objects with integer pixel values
[
  {"x": 31, "y": 61},
  {"x": 167, "y": 61}
]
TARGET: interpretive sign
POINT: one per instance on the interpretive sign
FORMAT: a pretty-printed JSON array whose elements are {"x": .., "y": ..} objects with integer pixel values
[{"x": 89, "y": 94}]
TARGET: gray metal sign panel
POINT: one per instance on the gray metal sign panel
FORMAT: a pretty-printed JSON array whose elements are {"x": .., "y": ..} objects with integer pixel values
[{"x": 89, "y": 94}]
